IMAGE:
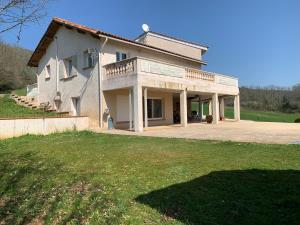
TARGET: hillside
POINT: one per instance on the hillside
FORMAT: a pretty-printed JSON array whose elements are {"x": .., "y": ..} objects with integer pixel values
[
  {"x": 14, "y": 73},
  {"x": 285, "y": 100}
]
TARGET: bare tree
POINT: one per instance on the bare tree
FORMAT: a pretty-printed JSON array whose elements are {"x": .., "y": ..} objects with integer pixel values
[{"x": 14, "y": 14}]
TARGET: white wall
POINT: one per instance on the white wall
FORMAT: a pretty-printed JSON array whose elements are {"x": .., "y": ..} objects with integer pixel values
[
  {"x": 84, "y": 85},
  {"x": 17, "y": 127}
]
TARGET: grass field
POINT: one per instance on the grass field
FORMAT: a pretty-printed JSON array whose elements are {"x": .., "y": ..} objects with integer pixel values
[
  {"x": 87, "y": 178},
  {"x": 248, "y": 114},
  {"x": 9, "y": 109}
]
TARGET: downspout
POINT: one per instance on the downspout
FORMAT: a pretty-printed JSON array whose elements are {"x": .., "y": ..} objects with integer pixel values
[
  {"x": 56, "y": 62},
  {"x": 100, "y": 97}
]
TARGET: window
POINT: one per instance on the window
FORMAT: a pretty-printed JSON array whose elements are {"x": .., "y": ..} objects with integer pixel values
[
  {"x": 88, "y": 59},
  {"x": 120, "y": 56},
  {"x": 68, "y": 67},
  {"x": 154, "y": 107},
  {"x": 48, "y": 72}
]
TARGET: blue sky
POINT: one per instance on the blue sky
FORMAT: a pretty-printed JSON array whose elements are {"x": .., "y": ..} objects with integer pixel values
[{"x": 257, "y": 41}]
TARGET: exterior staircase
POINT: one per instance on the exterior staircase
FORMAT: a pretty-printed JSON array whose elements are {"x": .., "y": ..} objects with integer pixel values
[
  {"x": 30, "y": 102},
  {"x": 25, "y": 101}
]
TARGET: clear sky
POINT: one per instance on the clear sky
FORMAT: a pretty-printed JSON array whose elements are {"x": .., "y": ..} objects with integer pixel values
[{"x": 257, "y": 41}]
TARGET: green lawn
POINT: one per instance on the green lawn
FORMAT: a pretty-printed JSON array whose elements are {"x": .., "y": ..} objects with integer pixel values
[
  {"x": 9, "y": 109},
  {"x": 248, "y": 114},
  {"x": 86, "y": 178}
]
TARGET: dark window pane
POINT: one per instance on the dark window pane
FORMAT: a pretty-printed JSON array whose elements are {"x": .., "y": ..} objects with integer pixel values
[
  {"x": 118, "y": 56},
  {"x": 90, "y": 60},
  {"x": 157, "y": 108},
  {"x": 149, "y": 108},
  {"x": 124, "y": 56}
]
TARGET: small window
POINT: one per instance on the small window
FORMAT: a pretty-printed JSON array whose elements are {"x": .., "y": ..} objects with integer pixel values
[
  {"x": 120, "y": 56},
  {"x": 154, "y": 107},
  {"x": 48, "y": 72},
  {"x": 68, "y": 67},
  {"x": 88, "y": 59}
]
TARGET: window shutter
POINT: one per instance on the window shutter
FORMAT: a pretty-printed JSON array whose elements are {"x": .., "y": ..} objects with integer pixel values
[
  {"x": 61, "y": 69},
  {"x": 74, "y": 65},
  {"x": 83, "y": 59},
  {"x": 94, "y": 59}
]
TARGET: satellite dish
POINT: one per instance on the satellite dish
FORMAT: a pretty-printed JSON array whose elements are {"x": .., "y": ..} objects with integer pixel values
[{"x": 145, "y": 28}]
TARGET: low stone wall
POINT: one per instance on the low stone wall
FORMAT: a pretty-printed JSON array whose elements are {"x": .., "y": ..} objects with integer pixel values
[{"x": 17, "y": 127}]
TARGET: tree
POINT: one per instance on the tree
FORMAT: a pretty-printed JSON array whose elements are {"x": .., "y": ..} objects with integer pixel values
[{"x": 14, "y": 14}]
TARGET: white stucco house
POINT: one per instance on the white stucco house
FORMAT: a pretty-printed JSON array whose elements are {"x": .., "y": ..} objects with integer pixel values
[{"x": 149, "y": 81}]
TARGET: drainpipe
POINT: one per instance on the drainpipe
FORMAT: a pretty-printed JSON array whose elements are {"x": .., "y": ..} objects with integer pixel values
[
  {"x": 100, "y": 97},
  {"x": 57, "y": 65}
]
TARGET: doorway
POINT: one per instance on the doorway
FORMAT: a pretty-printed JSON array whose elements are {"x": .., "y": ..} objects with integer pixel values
[{"x": 75, "y": 106}]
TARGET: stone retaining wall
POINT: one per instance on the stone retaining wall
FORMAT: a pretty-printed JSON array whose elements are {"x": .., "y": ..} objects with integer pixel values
[{"x": 21, "y": 126}]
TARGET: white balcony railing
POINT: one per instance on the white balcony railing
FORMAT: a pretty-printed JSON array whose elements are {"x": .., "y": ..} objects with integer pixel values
[
  {"x": 133, "y": 65},
  {"x": 124, "y": 67}
]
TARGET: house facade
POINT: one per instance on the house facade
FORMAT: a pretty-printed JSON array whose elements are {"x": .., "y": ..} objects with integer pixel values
[{"x": 132, "y": 84}]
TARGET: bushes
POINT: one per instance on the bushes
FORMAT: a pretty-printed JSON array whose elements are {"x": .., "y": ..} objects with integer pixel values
[{"x": 297, "y": 120}]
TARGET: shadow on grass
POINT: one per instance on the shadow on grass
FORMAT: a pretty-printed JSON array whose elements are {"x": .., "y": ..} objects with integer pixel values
[
  {"x": 36, "y": 191},
  {"x": 231, "y": 197}
]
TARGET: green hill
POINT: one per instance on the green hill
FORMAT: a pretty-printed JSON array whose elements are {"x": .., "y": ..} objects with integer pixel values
[{"x": 14, "y": 73}]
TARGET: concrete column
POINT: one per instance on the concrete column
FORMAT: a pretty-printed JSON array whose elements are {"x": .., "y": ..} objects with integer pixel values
[
  {"x": 215, "y": 108},
  {"x": 183, "y": 108},
  {"x": 138, "y": 108},
  {"x": 200, "y": 110},
  {"x": 222, "y": 107},
  {"x": 130, "y": 108},
  {"x": 209, "y": 108},
  {"x": 146, "y": 107},
  {"x": 237, "y": 107}
]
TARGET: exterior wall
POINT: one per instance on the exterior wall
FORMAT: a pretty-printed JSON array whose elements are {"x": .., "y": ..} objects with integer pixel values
[
  {"x": 173, "y": 46},
  {"x": 109, "y": 55},
  {"x": 110, "y": 98},
  {"x": 84, "y": 85},
  {"x": 17, "y": 127}
]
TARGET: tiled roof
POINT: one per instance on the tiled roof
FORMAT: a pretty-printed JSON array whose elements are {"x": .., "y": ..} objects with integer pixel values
[{"x": 56, "y": 23}]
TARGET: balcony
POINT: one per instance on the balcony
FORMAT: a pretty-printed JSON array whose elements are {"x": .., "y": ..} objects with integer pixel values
[{"x": 174, "y": 73}]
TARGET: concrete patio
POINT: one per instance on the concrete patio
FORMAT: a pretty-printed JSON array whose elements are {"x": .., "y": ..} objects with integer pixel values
[{"x": 242, "y": 131}]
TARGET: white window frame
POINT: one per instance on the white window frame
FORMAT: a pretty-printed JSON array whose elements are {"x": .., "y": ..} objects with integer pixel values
[
  {"x": 121, "y": 53},
  {"x": 47, "y": 72},
  {"x": 162, "y": 108}
]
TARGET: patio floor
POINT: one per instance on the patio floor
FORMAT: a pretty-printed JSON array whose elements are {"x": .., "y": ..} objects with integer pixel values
[{"x": 243, "y": 131}]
